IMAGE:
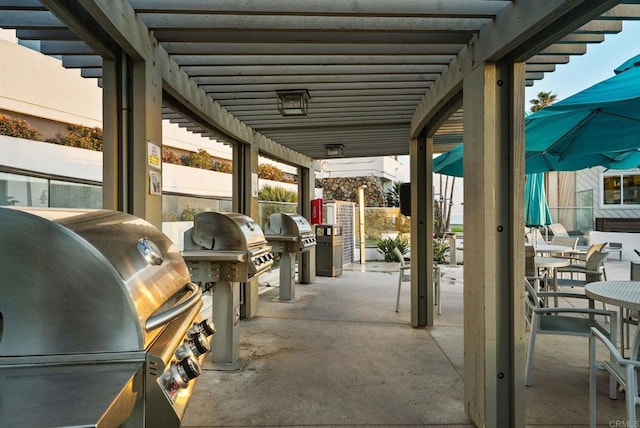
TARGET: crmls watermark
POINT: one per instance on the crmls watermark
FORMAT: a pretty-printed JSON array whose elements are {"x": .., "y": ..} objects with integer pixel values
[{"x": 624, "y": 424}]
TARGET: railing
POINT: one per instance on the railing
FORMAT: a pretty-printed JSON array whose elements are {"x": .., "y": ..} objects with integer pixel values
[{"x": 577, "y": 220}]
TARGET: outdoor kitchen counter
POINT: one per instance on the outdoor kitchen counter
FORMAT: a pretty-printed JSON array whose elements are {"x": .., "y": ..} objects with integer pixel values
[{"x": 70, "y": 395}]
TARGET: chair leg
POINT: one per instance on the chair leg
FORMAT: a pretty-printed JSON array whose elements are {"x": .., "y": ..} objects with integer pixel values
[
  {"x": 624, "y": 332},
  {"x": 438, "y": 299},
  {"x": 631, "y": 394},
  {"x": 399, "y": 286},
  {"x": 532, "y": 344},
  {"x": 592, "y": 383}
]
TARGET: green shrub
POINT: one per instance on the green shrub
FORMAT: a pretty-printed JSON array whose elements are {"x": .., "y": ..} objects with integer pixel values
[
  {"x": 18, "y": 128},
  {"x": 386, "y": 246},
  {"x": 225, "y": 167},
  {"x": 188, "y": 214},
  {"x": 277, "y": 194},
  {"x": 169, "y": 156},
  {"x": 440, "y": 250},
  {"x": 200, "y": 159},
  {"x": 270, "y": 172},
  {"x": 80, "y": 136}
]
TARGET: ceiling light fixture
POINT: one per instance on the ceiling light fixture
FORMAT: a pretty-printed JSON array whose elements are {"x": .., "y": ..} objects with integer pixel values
[
  {"x": 294, "y": 102},
  {"x": 333, "y": 150}
]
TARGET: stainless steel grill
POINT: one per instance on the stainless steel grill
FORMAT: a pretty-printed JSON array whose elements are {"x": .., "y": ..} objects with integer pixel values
[
  {"x": 226, "y": 247},
  {"x": 223, "y": 250},
  {"x": 289, "y": 234},
  {"x": 99, "y": 321}
]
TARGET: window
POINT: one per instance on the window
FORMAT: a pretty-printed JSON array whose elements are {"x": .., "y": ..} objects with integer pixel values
[
  {"x": 621, "y": 190},
  {"x": 28, "y": 191},
  {"x": 185, "y": 207}
]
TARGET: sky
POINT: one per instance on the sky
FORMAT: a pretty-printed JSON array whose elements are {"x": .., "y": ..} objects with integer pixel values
[
  {"x": 581, "y": 72},
  {"x": 597, "y": 64}
]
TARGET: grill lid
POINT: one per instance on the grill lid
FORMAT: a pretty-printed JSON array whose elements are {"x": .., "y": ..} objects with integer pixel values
[
  {"x": 85, "y": 281},
  {"x": 227, "y": 231},
  {"x": 288, "y": 225}
]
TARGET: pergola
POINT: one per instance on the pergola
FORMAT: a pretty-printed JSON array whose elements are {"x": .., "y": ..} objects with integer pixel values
[{"x": 383, "y": 78}]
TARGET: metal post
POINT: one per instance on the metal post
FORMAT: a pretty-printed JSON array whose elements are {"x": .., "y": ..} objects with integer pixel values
[
  {"x": 226, "y": 316},
  {"x": 452, "y": 248},
  {"x": 362, "y": 237},
  {"x": 287, "y": 277}
]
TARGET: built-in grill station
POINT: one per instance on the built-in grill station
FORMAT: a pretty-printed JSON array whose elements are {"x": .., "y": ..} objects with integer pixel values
[
  {"x": 222, "y": 250},
  {"x": 99, "y": 321},
  {"x": 289, "y": 234}
]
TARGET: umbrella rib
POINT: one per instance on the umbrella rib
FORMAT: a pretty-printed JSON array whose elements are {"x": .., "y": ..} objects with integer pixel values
[
  {"x": 566, "y": 136},
  {"x": 621, "y": 116}
]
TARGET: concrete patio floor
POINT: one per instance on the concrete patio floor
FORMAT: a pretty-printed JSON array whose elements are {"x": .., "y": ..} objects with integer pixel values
[{"x": 341, "y": 356}]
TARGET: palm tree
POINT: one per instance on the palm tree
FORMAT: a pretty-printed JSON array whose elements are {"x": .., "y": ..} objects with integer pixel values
[{"x": 544, "y": 99}]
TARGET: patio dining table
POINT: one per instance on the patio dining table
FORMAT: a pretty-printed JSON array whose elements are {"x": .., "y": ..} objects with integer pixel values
[
  {"x": 625, "y": 295},
  {"x": 543, "y": 249},
  {"x": 550, "y": 264}
]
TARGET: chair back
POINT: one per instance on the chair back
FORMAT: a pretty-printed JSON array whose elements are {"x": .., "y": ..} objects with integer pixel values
[
  {"x": 567, "y": 241},
  {"x": 399, "y": 255},
  {"x": 593, "y": 248},
  {"x": 531, "y": 296},
  {"x": 558, "y": 230},
  {"x": 594, "y": 263},
  {"x": 535, "y": 237},
  {"x": 635, "y": 272}
]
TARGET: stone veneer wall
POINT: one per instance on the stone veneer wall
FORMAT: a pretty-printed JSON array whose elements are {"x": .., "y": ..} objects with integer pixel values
[{"x": 346, "y": 189}]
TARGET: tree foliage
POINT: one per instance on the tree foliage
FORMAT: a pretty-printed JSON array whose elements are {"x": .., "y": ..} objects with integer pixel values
[
  {"x": 543, "y": 100},
  {"x": 392, "y": 196}
]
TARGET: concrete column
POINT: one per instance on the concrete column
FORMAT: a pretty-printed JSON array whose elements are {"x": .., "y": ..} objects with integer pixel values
[
  {"x": 306, "y": 260},
  {"x": 245, "y": 201},
  {"x": 421, "y": 150},
  {"x": 494, "y": 250},
  {"x": 132, "y": 171}
]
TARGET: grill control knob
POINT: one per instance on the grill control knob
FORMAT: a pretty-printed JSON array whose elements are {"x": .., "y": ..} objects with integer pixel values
[
  {"x": 208, "y": 328},
  {"x": 183, "y": 371},
  {"x": 188, "y": 369},
  {"x": 205, "y": 327},
  {"x": 199, "y": 345}
]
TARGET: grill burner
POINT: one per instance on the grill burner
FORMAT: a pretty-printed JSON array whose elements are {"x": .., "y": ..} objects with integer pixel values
[
  {"x": 96, "y": 307},
  {"x": 223, "y": 250},
  {"x": 289, "y": 234}
]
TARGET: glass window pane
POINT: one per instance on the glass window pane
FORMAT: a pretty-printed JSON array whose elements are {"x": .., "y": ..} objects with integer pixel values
[
  {"x": 611, "y": 190},
  {"x": 184, "y": 208},
  {"x": 631, "y": 188},
  {"x": 75, "y": 195},
  {"x": 23, "y": 191}
]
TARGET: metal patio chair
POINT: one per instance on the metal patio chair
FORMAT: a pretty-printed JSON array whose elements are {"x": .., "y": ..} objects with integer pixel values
[
  {"x": 404, "y": 275},
  {"x": 622, "y": 371},
  {"x": 568, "y": 321}
]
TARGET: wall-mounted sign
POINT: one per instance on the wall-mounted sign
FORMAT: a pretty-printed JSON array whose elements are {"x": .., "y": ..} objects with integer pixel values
[
  {"x": 154, "y": 154},
  {"x": 155, "y": 183}
]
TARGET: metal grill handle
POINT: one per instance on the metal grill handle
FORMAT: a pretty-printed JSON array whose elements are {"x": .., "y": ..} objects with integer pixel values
[{"x": 164, "y": 317}]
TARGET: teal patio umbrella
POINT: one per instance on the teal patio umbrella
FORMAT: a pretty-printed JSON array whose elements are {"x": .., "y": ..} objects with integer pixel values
[
  {"x": 536, "y": 209},
  {"x": 599, "y": 126},
  {"x": 449, "y": 163}
]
